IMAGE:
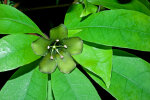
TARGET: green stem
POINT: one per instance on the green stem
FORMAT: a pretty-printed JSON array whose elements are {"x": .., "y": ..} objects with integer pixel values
[{"x": 46, "y": 7}]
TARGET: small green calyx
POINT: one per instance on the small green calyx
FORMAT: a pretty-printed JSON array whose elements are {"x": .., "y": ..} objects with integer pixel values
[{"x": 58, "y": 50}]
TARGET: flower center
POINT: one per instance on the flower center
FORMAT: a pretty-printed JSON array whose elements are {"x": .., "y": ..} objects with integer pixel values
[{"x": 55, "y": 49}]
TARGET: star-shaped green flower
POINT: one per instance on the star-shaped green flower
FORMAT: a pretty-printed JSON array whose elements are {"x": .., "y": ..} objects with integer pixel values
[{"x": 57, "y": 50}]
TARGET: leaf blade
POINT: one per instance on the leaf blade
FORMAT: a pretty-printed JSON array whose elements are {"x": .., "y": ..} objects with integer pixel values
[
  {"x": 132, "y": 5},
  {"x": 72, "y": 87},
  {"x": 26, "y": 84},
  {"x": 129, "y": 81},
  {"x": 120, "y": 28},
  {"x": 12, "y": 17},
  {"x": 97, "y": 59},
  {"x": 16, "y": 51}
]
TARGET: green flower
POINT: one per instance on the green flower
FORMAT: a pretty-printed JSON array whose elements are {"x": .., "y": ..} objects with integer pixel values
[{"x": 58, "y": 50}]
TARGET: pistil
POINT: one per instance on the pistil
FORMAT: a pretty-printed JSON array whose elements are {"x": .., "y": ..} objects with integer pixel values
[{"x": 54, "y": 47}]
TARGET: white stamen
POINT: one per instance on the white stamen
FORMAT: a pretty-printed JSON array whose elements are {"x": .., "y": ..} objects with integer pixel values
[
  {"x": 59, "y": 54},
  {"x": 57, "y": 40},
  {"x": 48, "y": 47},
  {"x": 51, "y": 57},
  {"x": 65, "y": 46},
  {"x": 57, "y": 51},
  {"x": 52, "y": 54}
]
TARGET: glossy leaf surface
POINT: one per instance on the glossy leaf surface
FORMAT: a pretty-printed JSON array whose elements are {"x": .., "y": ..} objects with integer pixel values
[
  {"x": 120, "y": 28},
  {"x": 130, "y": 77},
  {"x": 28, "y": 83},
  {"x": 97, "y": 59},
  {"x": 13, "y": 21},
  {"x": 73, "y": 86},
  {"x": 137, "y": 5},
  {"x": 16, "y": 51},
  {"x": 72, "y": 17}
]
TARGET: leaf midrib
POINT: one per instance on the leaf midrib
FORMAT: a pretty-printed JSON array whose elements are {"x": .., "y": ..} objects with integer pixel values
[
  {"x": 132, "y": 81},
  {"x": 28, "y": 85},
  {"x": 20, "y": 23},
  {"x": 121, "y": 6},
  {"x": 71, "y": 88},
  {"x": 116, "y": 28}
]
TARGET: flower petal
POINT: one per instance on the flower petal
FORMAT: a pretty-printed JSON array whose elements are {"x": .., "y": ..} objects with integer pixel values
[
  {"x": 74, "y": 45},
  {"x": 66, "y": 64},
  {"x": 39, "y": 46},
  {"x": 60, "y": 32},
  {"x": 47, "y": 65}
]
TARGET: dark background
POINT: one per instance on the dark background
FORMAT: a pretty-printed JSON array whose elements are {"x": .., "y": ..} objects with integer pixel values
[{"x": 51, "y": 17}]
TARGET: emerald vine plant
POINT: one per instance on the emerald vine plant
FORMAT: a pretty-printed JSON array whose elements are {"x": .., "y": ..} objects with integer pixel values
[{"x": 47, "y": 66}]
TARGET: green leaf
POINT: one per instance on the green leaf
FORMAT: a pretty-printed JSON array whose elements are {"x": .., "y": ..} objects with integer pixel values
[
  {"x": 73, "y": 86},
  {"x": 16, "y": 51},
  {"x": 120, "y": 28},
  {"x": 72, "y": 32},
  {"x": 89, "y": 9},
  {"x": 130, "y": 77},
  {"x": 26, "y": 84},
  {"x": 72, "y": 17},
  {"x": 97, "y": 59},
  {"x": 146, "y": 3},
  {"x": 136, "y": 5},
  {"x": 13, "y": 21}
]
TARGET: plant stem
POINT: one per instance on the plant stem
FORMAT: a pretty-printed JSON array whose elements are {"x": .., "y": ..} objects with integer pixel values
[
  {"x": 46, "y": 7},
  {"x": 5, "y": 1}
]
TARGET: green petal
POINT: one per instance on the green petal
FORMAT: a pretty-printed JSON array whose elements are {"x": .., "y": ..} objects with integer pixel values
[
  {"x": 60, "y": 32},
  {"x": 74, "y": 45},
  {"x": 39, "y": 46},
  {"x": 66, "y": 64},
  {"x": 47, "y": 65}
]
